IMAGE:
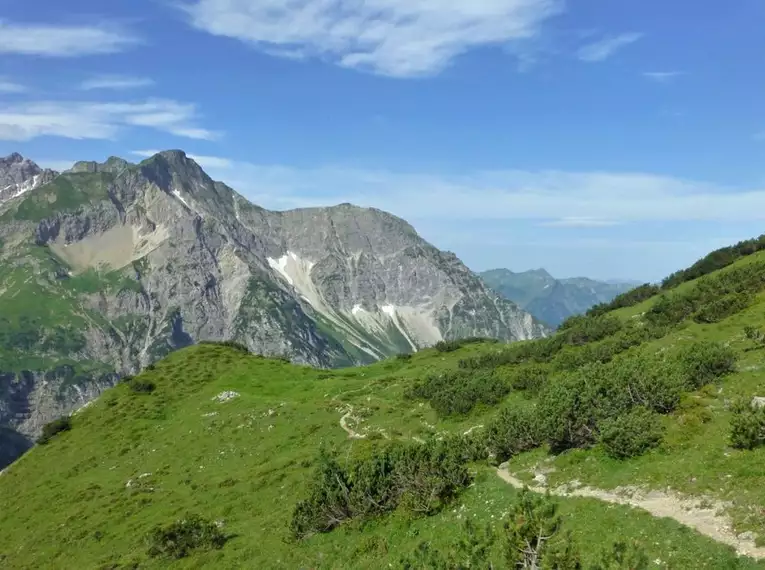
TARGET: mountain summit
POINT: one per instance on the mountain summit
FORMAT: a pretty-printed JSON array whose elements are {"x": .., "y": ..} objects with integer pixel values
[
  {"x": 19, "y": 175},
  {"x": 109, "y": 267}
]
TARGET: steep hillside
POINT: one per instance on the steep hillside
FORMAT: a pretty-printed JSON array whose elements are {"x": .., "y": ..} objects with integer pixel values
[
  {"x": 653, "y": 404},
  {"x": 552, "y": 300},
  {"x": 109, "y": 267}
]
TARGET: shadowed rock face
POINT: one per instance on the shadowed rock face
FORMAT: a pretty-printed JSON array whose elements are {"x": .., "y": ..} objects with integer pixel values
[{"x": 130, "y": 262}]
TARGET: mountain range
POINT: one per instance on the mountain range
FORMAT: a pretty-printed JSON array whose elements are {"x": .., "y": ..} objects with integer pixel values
[
  {"x": 553, "y": 300},
  {"x": 108, "y": 267}
]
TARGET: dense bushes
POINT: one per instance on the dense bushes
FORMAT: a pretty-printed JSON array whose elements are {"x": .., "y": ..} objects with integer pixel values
[
  {"x": 179, "y": 539},
  {"x": 627, "y": 299},
  {"x": 712, "y": 299},
  {"x": 459, "y": 391},
  {"x": 53, "y": 428},
  {"x": 419, "y": 478},
  {"x": 452, "y": 345},
  {"x": 579, "y": 405},
  {"x": 747, "y": 425},
  {"x": 631, "y": 434},
  {"x": 514, "y": 430},
  {"x": 140, "y": 386},
  {"x": 715, "y": 260},
  {"x": 704, "y": 362}
]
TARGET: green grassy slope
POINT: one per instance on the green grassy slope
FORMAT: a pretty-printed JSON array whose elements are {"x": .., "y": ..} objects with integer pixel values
[{"x": 131, "y": 461}]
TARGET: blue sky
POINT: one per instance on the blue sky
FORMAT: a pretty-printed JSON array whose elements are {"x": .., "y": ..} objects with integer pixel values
[{"x": 590, "y": 137}]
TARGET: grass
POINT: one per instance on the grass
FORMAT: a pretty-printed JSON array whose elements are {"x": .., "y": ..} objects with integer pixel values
[{"x": 133, "y": 461}]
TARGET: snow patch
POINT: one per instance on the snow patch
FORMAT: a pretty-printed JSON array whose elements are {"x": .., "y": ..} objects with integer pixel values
[
  {"x": 177, "y": 194},
  {"x": 356, "y": 310}
]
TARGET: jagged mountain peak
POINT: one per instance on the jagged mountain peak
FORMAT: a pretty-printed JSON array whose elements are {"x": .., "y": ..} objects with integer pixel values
[{"x": 19, "y": 175}]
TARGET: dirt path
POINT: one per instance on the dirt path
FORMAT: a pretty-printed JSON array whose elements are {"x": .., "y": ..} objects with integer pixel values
[
  {"x": 706, "y": 520},
  {"x": 344, "y": 424}
]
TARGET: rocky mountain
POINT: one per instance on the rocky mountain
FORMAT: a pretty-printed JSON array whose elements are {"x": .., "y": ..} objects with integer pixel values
[
  {"x": 109, "y": 267},
  {"x": 19, "y": 175},
  {"x": 549, "y": 299}
]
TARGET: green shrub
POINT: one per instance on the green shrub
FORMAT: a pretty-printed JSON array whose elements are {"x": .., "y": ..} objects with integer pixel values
[
  {"x": 53, "y": 428},
  {"x": 419, "y": 478},
  {"x": 514, "y": 430},
  {"x": 139, "y": 386},
  {"x": 569, "y": 410},
  {"x": 631, "y": 434},
  {"x": 177, "y": 540},
  {"x": 531, "y": 378},
  {"x": 448, "y": 345},
  {"x": 628, "y": 299},
  {"x": 404, "y": 356},
  {"x": 747, "y": 425},
  {"x": 719, "y": 309},
  {"x": 459, "y": 391},
  {"x": 241, "y": 347},
  {"x": 704, "y": 362}
]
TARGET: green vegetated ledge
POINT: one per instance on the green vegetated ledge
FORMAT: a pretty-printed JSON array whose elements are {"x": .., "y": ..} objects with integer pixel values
[{"x": 218, "y": 458}]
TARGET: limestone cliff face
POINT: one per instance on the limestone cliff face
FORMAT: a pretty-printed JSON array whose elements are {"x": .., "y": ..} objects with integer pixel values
[{"x": 109, "y": 267}]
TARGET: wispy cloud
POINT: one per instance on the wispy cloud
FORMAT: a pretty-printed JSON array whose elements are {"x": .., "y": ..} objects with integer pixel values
[
  {"x": 209, "y": 162},
  {"x": 662, "y": 76},
  {"x": 55, "y": 163},
  {"x": 605, "y": 48},
  {"x": 8, "y": 86},
  {"x": 98, "y": 120},
  {"x": 63, "y": 41},
  {"x": 115, "y": 82},
  {"x": 545, "y": 197},
  {"x": 580, "y": 222},
  {"x": 399, "y": 38}
]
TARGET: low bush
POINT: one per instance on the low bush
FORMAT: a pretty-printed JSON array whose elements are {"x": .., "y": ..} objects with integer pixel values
[
  {"x": 419, "y": 478},
  {"x": 139, "y": 386},
  {"x": 177, "y": 540},
  {"x": 459, "y": 391},
  {"x": 704, "y": 362},
  {"x": 514, "y": 430},
  {"x": 747, "y": 425},
  {"x": 241, "y": 347},
  {"x": 53, "y": 428},
  {"x": 632, "y": 433}
]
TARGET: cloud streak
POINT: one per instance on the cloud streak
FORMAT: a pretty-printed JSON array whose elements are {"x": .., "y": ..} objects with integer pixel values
[
  {"x": 551, "y": 198},
  {"x": 8, "y": 86},
  {"x": 605, "y": 48},
  {"x": 63, "y": 41},
  {"x": 398, "y": 38},
  {"x": 115, "y": 82},
  {"x": 662, "y": 76},
  {"x": 98, "y": 120}
]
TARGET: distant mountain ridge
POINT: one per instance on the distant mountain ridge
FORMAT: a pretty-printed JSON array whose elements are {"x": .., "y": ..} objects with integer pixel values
[
  {"x": 107, "y": 267},
  {"x": 549, "y": 299}
]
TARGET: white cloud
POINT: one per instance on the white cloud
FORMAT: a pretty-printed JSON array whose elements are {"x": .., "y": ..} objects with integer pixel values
[
  {"x": 95, "y": 120},
  {"x": 662, "y": 76},
  {"x": 208, "y": 162},
  {"x": 117, "y": 82},
  {"x": 546, "y": 197},
  {"x": 63, "y": 41},
  {"x": 605, "y": 48},
  {"x": 8, "y": 86},
  {"x": 400, "y": 38}
]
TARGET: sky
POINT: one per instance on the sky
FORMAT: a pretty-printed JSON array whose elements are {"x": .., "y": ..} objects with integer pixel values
[{"x": 589, "y": 137}]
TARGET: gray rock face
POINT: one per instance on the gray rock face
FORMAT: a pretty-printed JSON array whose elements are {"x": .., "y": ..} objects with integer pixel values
[
  {"x": 19, "y": 175},
  {"x": 145, "y": 259}
]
